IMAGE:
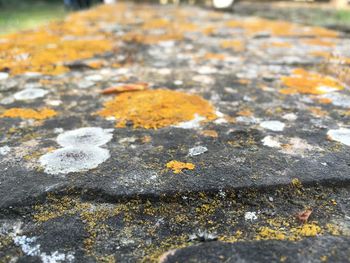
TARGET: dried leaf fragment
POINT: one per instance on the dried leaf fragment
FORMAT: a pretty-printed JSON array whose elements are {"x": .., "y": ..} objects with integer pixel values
[
  {"x": 125, "y": 88},
  {"x": 303, "y": 216}
]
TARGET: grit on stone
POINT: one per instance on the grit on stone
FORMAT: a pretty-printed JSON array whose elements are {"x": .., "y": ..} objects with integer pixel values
[{"x": 136, "y": 133}]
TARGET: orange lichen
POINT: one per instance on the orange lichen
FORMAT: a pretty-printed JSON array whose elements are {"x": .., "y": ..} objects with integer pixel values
[
  {"x": 244, "y": 81},
  {"x": 149, "y": 39},
  {"x": 46, "y": 49},
  {"x": 254, "y": 25},
  {"x": 24, "y": 113},
  {"x": 317, "y": 111},
  {"x": 280, "y": 44},
  {"x": 209, "y": 133},
  {"x": 302, "y": 81},
  {"x": 177, "y": 166},
  {"x": 214, "y": 56},
  {"x": 152, "y": 109},
  {"x": 319, "y": 42},
  {"x": 245, "y": 112},
  {"x": 96, "y": 64},
  {"x": 324, "y": 100}
]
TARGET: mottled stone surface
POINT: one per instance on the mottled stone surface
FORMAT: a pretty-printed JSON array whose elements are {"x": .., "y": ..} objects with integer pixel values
[{"x": 104, "y": 193}]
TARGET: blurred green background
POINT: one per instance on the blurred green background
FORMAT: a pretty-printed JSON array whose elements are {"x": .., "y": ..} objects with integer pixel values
[
  {"x": 24, "y": 14},
  {"x": 19, "y": 14}
]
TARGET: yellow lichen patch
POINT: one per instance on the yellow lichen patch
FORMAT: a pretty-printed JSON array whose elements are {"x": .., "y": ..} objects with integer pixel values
[
  {"x": 177, "y": 166},
  {"x": 24, "y": 113},
  {"x": 323, "y": 54},
  {"x": 279, "y": 44},
  {"x": 214, "y": 56},
  {"x": 236, "y": 45},
  {"x": 296, "y": 183},
  {"x": 282, "y": 229},
  {"x": 152, "y": 109},
  {"x": 156, "y": 23},
  {"x": 319, "y": 42},
  {"x": 304, "y": 82},
  {"x": 266, "y": 233},
  {"x": 307, "y": 230}
]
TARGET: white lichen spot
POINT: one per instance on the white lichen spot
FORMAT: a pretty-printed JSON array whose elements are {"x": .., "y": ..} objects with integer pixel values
[
  {"x": 341, "y": 135},
  {"x": 192, "y": 124},
  {"x": 56, "y": 257},
  {"x": 29, "y": 248},
  {"x": 73, "y": 159},
  {"x": 32, "y": 74},
  {"x": 273, "y": 125},
  {"x": 30, "y": 94},
  {"x": 203, "y": 79},
  {"x": 290, "y": 117},
  {"x": 164, "y": 71},
  {"x": 7, "y": 100},
  {"x": 326, "y": 89},
  {"x": 131, "y": 139},
  {"x": 85, "y": 84},
  {"x": 247, "y": 119},
  {"x": 291, "y": 146},
  {"x": 197, "y": 150},
  {"x": 94, "y": 78},
  {"x": 251, "y": 216},
  {"x": 297, "y": 146},
  {"x": 58, "y": 130},
  {"x": 4, "y": 150},
  {"x": 205, "y": 70},
  {"x": 338, "y": 99},
  {"x": 178, "y": 82},
  {"x": 54, "y": 102},
  {"x": 81, "y": 151},
  {"x": 4, "y": 75},
  {"x": 271, "y": 142},
  {"x": 221, "y": 117},
  {"x": 89, "y": 136}
]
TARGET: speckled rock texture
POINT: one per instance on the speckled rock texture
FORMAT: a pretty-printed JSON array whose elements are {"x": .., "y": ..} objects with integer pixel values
[{"x": 146, "y": 133}]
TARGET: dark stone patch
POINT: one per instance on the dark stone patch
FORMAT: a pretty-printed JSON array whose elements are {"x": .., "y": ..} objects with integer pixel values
[
  {"x": 64, "y": 233},
  {"x": 334, "y": 249}
]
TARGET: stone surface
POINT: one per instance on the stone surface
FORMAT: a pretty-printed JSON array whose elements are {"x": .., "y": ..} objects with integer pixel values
[{"x": 270, "y": 138}]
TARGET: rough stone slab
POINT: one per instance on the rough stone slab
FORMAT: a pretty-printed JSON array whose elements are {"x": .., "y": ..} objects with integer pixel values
[{"x": 269, "y": 156}]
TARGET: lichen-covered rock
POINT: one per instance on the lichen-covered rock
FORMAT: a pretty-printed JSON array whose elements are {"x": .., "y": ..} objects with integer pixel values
[{"x": 133, "y": 133}]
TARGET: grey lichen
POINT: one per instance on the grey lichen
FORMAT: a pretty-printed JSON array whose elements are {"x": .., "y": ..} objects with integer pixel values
[{"x": 81, "y": 151}]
